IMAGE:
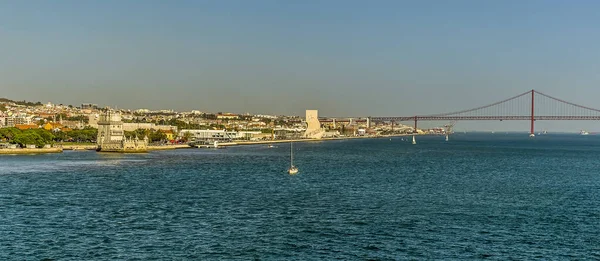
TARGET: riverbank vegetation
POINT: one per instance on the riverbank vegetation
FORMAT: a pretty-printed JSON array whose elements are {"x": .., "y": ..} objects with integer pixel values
[{"x": 41, "y": 137}]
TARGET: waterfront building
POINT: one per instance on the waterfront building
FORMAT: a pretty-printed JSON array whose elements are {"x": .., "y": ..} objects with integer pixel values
[
  {"x": 111, "y": 136},
  {"x": 219, "y": 135}
]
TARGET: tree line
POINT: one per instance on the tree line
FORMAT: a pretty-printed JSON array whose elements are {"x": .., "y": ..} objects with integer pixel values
[{"x": 41, "y": 137}]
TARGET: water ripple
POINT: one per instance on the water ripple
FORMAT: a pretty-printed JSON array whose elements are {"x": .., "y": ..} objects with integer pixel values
[{"x": 471, "y": 198}]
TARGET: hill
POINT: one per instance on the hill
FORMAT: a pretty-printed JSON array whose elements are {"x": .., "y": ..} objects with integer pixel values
[{"x": 23, "y": 102}]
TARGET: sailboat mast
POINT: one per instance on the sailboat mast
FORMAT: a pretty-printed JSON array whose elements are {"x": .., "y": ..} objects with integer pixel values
[{"x": 291, "y": 155}]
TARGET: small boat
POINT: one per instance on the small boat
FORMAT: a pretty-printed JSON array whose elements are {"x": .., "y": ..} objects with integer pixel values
[
  {"x": 582, "y": 132},
  {"x": 414, "y": 141},
  {"x": 293, "y": 169},
  {"x": 270, "y": 146}
]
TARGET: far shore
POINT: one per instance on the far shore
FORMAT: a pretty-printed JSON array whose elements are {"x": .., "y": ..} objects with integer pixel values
[
  {"x": 310, "y": 140},
  {"x": 88, "y": 147}
]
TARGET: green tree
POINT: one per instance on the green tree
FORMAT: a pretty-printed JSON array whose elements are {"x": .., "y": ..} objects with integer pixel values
[
  {"x": 9, "y": 133},
  {"x": 187, "y": 136},
  {"x": 157, "y": 136},
  {"x": 60, "y": 136},
  {"x": 47, "y": 136},
  {"x": 87, "y": 134},
  {"x": 27, "y": 138}
]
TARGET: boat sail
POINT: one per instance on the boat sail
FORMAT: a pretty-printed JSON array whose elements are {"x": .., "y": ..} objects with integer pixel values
[{"x": 293, "y": 169}]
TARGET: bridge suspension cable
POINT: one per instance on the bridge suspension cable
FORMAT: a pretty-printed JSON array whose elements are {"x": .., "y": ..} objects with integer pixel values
[{"x": 525, "y": 106}]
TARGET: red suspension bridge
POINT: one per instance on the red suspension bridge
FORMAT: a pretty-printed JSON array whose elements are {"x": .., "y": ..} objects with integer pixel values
[{"x": 531, "y": 106}]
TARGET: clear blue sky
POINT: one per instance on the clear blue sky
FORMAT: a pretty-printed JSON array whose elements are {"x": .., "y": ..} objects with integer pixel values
[{"x": 345, "y": 58}]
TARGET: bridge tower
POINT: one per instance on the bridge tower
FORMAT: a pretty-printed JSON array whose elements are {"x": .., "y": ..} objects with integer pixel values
[
  {"x": 532, "y": 116},
  {"x": 415, "y": 131}
]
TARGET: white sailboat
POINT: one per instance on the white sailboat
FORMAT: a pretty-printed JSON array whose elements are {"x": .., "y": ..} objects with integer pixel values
[
  {"x": 414, "y": 141},
  {"x": 293, "y": 169}
]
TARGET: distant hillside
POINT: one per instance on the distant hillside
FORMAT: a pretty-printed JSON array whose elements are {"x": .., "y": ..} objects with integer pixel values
[{"x": 23, "y": 102}]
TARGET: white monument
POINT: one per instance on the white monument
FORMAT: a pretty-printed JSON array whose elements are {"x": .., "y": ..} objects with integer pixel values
[{"x": 313, "y": 128}]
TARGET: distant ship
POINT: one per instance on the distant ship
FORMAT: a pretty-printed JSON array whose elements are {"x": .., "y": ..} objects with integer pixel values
[{"x": 582, "y": 132}]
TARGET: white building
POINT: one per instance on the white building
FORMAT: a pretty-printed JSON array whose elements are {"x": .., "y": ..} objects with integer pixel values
[
  {"x": 142, "y": 111},
  {"x": 221, "y": 135},
  {"x": 12, "y": 121}
]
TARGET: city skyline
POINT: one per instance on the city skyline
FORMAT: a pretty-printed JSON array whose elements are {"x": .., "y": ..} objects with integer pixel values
[{"x": 345, "y": 58}]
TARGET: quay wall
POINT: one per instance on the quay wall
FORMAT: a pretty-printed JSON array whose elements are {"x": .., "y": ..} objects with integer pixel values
[{"x": 30, "y": 151}]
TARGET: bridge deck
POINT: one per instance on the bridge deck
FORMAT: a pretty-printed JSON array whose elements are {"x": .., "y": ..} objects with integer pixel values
[{"x": 479, "y": 118}]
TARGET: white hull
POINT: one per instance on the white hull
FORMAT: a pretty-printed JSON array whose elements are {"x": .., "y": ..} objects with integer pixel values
[{"x": 293, "y": 169}]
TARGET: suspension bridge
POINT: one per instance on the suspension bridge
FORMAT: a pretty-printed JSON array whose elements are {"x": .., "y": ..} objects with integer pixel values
[{"x": 528, "y": 106}]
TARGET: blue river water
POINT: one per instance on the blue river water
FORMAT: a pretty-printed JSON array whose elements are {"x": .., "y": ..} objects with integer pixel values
[{"x": 498, "y": 197}]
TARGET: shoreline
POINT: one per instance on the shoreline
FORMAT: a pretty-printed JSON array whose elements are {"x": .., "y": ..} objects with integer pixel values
[
  {"x": 21, "y": 151},
  {"x": 60, "y": 149},
  {"x": 227, "y": 144}
]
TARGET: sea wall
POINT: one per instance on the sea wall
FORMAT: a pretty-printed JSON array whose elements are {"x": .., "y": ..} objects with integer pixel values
[{"x": 30, "y": 151}]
